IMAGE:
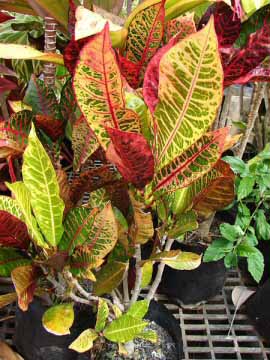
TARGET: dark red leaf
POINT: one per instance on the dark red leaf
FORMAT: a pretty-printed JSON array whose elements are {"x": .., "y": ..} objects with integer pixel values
[
  {"x": 72, "y": 51},
  {"x": 13, "y": 232},
  {"x": 227, "y": 23},
  {"x": 259, "y": 74},
  {"x": 151, "y": 78},
  {"x": 52, "y": 127},
  {"x": 5, "y": 17},
  {"x": 247, "y": 59},
  {"x": 6, "y": 85},
  {"x": 132, "y": 156},
  {"x": 71, "y": 18}
]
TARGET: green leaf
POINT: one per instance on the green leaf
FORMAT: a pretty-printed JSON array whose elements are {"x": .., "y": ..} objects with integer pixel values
[
  {"x": 262, "y": 226},
  {"x": 40, "y": 178},
  {"x": 109, "y": 277},
  {"x": 217, "y": 250},
  {"x": 251, "y": 6},
  {"x": 22, "y": 196},
  {"x": 84, "y": 341},
  {"x": 245, "y": 187},
  {"x": 184, "y": 261},
  {"x": 149, "y": 335},
  {"x": 138, "y": 309},
  {"x": 147, "y": 272},
  {"x": 102, "y": 315},
  {"x": 11, "y": 206},
  {"x": 185, "y": 222},
  {"x": 256, "y": 265},
  {"x": 238, "y": 166},
  {"x": 58, "y": 319},
  {"x": 9, "y": 260},
  {"x": 243, "y": 216},
  {"x": 230, "y": 260},
  {"x": 124, "y": 329},
  {"x": 230, "y": 232}
]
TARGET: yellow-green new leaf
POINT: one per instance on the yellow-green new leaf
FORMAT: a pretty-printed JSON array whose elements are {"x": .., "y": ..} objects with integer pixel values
[
  {"x": 147, "y": 272},
  {"x": 190, "y": 93},
  {"x": 84, "y": 341},
  {"x": 109, "y": 277},
  {"x": 184, "y": 261},
  {"x": 24, "y": 52},
  {"x": 40, "y": 178},
  {"x": 22, "y": 196},
  {"x": 11, "y": 206},
  {"x": 102, "y": 315},
  {"x": 124, "y": 329},
  {"x": 138, "y": 309},
  {"x": 58, "y": 319}
]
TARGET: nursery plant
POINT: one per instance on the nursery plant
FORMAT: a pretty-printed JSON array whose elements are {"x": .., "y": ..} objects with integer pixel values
[
  {"x": 144, "y": 114},
  {"x": 252, "y": 220}
]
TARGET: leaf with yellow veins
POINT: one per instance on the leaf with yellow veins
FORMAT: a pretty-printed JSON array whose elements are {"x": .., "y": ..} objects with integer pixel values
[{"x": 102, "y": 315}]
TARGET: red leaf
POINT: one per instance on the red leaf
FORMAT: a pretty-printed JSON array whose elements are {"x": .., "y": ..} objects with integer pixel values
[
  {"x": 52, "y": 127},
  {"x": 6, "y": 85},
  {"x": 227, "y": 23},
  {"x": 259, "y": 74},
  {"x": 247, "y": 59},
  {"x": 132, "y": 155},
  {"x": 71, "y": 18},
  {"x": 13, "y": 232},
  {"x": 151, "y": 78},
  {"x": 182, "y": 26},
  {"x": 5, "y": 17},
  {"x": 72, "y": 52}
]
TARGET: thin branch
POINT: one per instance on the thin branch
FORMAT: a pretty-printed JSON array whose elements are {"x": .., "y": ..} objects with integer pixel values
[
  {"x": 79, "y": 299},
  {"x": 125, "y": 289},
  {"x": 138, "y": 282},
  {"x": 159, "y": 274},
  {"x": 225, "y": 109},
  {"x": 116, "y": 301}
]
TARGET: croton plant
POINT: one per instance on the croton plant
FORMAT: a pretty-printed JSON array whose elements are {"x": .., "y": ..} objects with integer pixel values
[{"x": 139, "y": 118}]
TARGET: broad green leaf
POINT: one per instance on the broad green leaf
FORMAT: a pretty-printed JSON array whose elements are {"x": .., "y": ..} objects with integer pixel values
[
  {"x": 77, "y": 227},
  {"x": 109, "y": 277},
  {"x": 190, "y": 92},
  {"x": 149, "y": 335},
  {"x": 147, "y": 272},
  {"x": 102, "y": 315},
  {"x": 22, "y": 196},
  {"x": 11, "y": 206},
  {"x": 256, "y": 265},
  {"x": 84, "y": 341},
  {"x": 138, "y": 309},
  {"x": 24, "y": 279},
  {"x": 217, "y": 250},
  {"x": 40, "y": 178},
  {"x": 99, "y": 89},
  {"x": 24, "y": 52},
  {"x": 251, "y": 6},
  {"x": 58, "y": 319},
  {"x": 231, "y": 260},
  {"x": 7, "y": 299},
  {"x": 185, "y": 222},
  {"x": 124, "y": 329},
  {"x": 245, "y": 187},
  {"x": 237, "y": 164},
  {"x": 262, "y": 226},
  {"x": 9, "y": 260},
  {"x": 230, "y": 232}
]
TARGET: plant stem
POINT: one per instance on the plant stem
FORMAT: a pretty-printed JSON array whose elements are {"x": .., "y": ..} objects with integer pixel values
[
  {"x": 159, "y": 274},
  {"x": 125, "y": 289},
  {"x": 257, "y": 97},
  {"x": 116, "y": 301},
  {"x": 78, "y": 299},
  {"x": 138, "y": 282},
  {"x": 11, "y": 169},
  {"x": 4, "y": 108}
]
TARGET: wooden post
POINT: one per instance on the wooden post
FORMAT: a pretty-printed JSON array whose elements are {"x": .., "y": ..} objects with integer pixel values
[{"x": 50, "y": 46}]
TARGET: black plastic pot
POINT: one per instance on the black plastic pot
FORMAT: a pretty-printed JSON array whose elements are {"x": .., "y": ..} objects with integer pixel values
[
  {"x": 195, "y": 286},
  {"x": 258, "y": 310},
  {"x": 33, "y": 342}
]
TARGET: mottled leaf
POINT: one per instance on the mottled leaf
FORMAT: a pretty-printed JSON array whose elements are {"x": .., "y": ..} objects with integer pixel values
[
  {"x": 84, "y": 341},
  {"x": 132, "y": 156},
  {"x": 13, "y": 232},
  {"x": 185, "y": 222},
  {"x": 40, "y": 178},
  {"x": 109, "y": 277},
  {"x": 54, "y": 128},
  {"x": 181, "y": 26},
  {"x": 102, "y": 315},
  {"x": 11, "y": 206},
  {"x": 58, "y": 319}
]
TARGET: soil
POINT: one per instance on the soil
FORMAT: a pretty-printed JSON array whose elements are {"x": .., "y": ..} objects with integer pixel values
[{"x": 164, "y": 349}]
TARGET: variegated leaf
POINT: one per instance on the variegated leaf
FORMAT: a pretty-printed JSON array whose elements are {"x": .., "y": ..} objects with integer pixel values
[
  {"x": 132, "y": 156},
  {"x": 182, "y": 26},
  {"x": 40, "y": 178},
  {"x": 99, "y": 89},
  {"x": 185, "y": 222},
  {"x": 9, "y": 260},
  {"x": 179, "y": 260},
  {"x": 22, "y": 196},
  {"x": 124, "y": 329},
  {"x": 196, "y": 161},
  {"x": 190, "y": 92},
  {"x": 84, "y": 341},
  {"x": 138, "y": 309},
  {"x": 109, "y": 277},
  {"x": 13, "y": 232},
  {"x": 145, "y": 33},
  {"x": 24, "y": 279},
  {"x": 58, "y": 319},
  {"x": 84, "y": 143},
  {"x": 11, "y": 206},
  {"x": 102, "y": 315},
  {"x": 7, "y": 299}
]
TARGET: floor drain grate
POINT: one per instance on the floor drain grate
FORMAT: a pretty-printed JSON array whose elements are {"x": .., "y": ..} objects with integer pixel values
[{"x": 204, "y": 329}]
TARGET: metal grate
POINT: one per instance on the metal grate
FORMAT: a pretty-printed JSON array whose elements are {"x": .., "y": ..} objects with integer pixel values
[{"x": 204, "y": 329}]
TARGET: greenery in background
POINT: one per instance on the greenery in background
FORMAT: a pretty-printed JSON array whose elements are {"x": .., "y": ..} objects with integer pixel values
[{"x": 252, "y": 222}]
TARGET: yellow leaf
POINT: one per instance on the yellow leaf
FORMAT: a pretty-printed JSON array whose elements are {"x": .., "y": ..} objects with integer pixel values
[
  {"x": 24, "y": 280},
  {"x": 84, "y": 341},
  {"x": 58, "y": 319},
  {"x": 17, "y": 106}
]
